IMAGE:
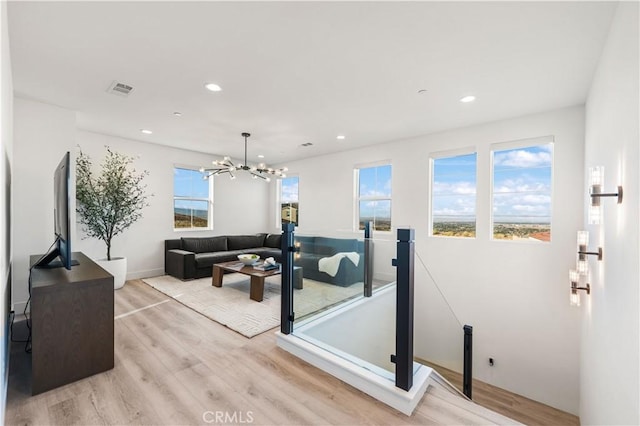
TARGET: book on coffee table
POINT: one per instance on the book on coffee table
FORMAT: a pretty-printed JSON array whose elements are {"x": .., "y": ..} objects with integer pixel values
[{"x": 266, "y": 266}]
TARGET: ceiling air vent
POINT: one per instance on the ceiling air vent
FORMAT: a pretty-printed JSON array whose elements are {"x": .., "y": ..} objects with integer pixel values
[
  {"x": 306, "y": 144},
  {"x": 119, "y": 89}
]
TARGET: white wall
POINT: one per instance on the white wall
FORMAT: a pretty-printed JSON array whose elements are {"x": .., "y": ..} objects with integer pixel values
[
  {"x": 610, "y": 357},
  {"x": 6, "y": 150},
  {"x": 44, "y": 132},
  {"x": 514, "y": 294}
]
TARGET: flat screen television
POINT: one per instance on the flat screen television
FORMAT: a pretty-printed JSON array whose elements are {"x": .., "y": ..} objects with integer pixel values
[{"x": 61, "y": 249}]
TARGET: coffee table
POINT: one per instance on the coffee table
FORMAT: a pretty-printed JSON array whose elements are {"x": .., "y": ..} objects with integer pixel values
[{"x": 257, "y": 277}]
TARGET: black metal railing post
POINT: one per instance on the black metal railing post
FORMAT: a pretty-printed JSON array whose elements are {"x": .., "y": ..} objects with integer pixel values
[
  {"x": 286, "y": 304},
  {"x": 404, "y": 264},
  {"x": 468, "y": 361},
  {"x": 368, "y": 259}
]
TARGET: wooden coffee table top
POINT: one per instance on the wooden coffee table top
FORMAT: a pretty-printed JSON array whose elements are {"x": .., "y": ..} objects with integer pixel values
[{"x": 237, "y": 266}]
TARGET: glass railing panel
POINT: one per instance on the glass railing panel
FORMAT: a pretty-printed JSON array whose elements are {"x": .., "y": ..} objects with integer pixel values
[
  {"x": 328, "y": 271},
  {"x": 438, "y": 332},
  {"x": 359, "y": 329}
]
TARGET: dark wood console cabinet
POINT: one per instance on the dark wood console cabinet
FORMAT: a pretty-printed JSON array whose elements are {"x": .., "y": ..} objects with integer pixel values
[{"x": 71, "y": 323}]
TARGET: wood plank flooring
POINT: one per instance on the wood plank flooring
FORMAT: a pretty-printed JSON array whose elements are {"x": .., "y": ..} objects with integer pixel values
[
  {"x": 174, "y": 366},
  {"x": 515, "y": 406}
]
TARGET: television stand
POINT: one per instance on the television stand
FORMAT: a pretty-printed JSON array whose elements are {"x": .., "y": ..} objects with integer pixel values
[{"x": 71, "y": 323}]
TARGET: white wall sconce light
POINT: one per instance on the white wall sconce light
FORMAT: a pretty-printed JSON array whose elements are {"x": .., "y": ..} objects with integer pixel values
[
  {"x": 583, "y": 242},
  {"x": 574, "y": 297},
  {"x": 596, "y": 182}
]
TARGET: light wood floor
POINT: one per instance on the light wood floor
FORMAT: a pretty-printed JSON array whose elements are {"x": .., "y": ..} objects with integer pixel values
[
  {"x": 515, "y": 406},
  {"x": 174, "y": 366}
]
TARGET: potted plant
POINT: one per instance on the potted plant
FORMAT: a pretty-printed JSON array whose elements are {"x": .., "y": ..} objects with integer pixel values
[{"x": 109, "y": 203}]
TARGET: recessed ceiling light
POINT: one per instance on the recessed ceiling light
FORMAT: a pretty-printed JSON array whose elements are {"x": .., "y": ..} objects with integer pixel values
[
  {"x": 260, "y": 156},
  {"x": 340, "y": 137},
  {"x": 213, "y": 87},
  {"x": 177, "y": 114},
  {"x": 469, "y": 98},
  {"x": 146, "y": 132}
]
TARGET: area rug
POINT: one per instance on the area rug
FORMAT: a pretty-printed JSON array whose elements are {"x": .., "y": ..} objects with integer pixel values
[{"x": 231, "y": 306}]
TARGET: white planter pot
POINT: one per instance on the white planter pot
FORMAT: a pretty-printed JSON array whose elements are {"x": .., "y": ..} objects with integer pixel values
[{"x": 117, "y": 267}]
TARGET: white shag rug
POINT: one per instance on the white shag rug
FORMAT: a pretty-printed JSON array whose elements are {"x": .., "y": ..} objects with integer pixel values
[{"x": 231, "y": 306}]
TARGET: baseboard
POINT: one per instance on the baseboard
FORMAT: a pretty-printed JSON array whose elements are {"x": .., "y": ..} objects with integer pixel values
[{"x": 136, "y": 275}]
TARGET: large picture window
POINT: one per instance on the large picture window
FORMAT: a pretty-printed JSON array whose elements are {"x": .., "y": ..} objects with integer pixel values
[
  {"x": 374, "y": 196},
  {"x": 522, "y": 193},
  {"x": 192, "y": 200},
  {"x": 453, "y": 196},
  {"x": 289, "y": 205}
]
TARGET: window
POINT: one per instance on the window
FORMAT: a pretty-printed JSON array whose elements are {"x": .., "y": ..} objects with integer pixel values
[
  {"x": 522, "y": 193},
  {"x": 289, "y": 207},
  {"x": 453, "y": 196},
  {"x": 192, "y": 200},
  {"x": 374, "y": 197}
]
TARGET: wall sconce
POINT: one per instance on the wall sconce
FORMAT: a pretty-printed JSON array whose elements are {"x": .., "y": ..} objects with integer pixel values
[
  {"x": 583, "y": 241},
  {"x": 296, "y": 249},
  {"x": 574, "y": 297},
  {"x": 596, "y": 182}
]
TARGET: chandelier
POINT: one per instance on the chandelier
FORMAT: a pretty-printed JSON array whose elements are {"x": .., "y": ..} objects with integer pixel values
[{"x": 226, "y": 166}]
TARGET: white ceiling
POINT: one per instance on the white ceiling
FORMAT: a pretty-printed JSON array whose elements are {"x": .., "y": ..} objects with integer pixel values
[{"x": 302, "y": 72}]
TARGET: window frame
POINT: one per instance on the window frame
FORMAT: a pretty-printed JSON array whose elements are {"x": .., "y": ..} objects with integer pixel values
[
  {"x": 279, "y": 200},
  {"x": 450, "y": 154},
  {"x": 209, "y": 200},
  {"x": 520, "y": 144},
  {"x": 357, "y": 199}
]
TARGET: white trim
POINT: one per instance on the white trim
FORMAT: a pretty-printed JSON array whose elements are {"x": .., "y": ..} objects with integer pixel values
[
  {"x": 209, "y": 200},
  {"x": 439, "y": 156},
  {"x": 520, "y": 143},
  {"x": 517, "y": 144},
  {"x": 357, "y": 198},
  {"x": 359, "y": 377}
]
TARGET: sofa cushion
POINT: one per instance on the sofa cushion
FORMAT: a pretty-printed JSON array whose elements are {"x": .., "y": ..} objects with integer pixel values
[
  {"x": 205, "y": 245},
  {"x": 273, "y": 240},
  {"x": 239, "y": 242},
  {"x": 206, "y": 260},
  {"x": 331, "y": 246}
]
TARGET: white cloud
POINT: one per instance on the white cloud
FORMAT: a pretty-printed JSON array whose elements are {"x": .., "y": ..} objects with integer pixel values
[
  {"x": 523, "y": 158},
  {"x": 459, "y": 188}
]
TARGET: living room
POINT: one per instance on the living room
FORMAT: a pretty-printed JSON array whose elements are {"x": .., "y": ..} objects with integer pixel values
[{"x": 583, "y": 360}]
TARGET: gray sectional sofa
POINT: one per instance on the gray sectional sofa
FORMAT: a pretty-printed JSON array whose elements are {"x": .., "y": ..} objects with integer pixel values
[
  {"x": 188, "y": 258},
  {"x": 313, "y": 249}
]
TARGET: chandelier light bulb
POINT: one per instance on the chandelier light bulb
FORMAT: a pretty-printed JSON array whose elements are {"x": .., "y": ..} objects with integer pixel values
[
  {"x": 201, "y": 169},
  {"x": 227, "y": 165}
]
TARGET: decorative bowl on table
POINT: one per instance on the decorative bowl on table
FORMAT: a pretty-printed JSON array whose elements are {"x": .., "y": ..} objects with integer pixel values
[{"x": 248, "y": 259}]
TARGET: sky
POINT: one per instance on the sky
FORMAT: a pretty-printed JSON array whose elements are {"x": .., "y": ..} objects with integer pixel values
[
  {"x": 521, "y": 186},
  {"x": 375, "y": 182},
  {"x": 190, "y": 183},
  {"x": 289, "y": 190}
]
